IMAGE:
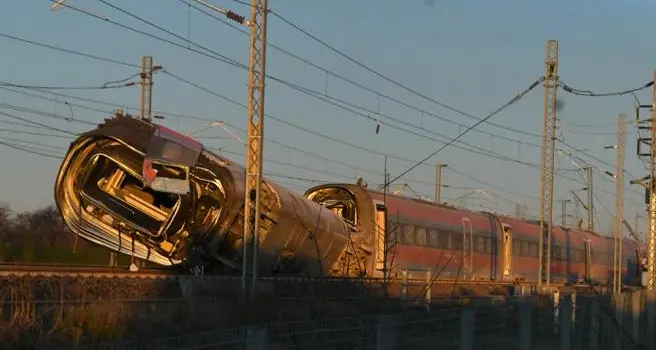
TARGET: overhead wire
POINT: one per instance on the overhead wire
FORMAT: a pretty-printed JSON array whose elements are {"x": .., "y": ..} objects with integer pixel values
[
  {"x": 304, "y": 91},
  {"x": 589, "y": 93},
  {"x": 390, "y": 80},
  {"x": 21, "y": 148},
  {"x": 181, "y": 46},
  {"x": 278, "y": 119},
  {"x": 369, "y": 89},
  {"x": 232, "y": 61},
  {"x": 272, "y": 141},
  {"x": 495, "y": 112},
  {"x": 236, "y": 153},
  {"x": 102, "y": 87}
]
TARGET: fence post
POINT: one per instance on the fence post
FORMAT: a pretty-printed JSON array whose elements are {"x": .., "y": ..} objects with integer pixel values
[
  {"x": 404, "y": 284},
  {"x": 429, "y": 292},
  {"x": 578, "y": 302},
  {"x": 386, "y": 334},
  {"x": 651, "y": 319},
  {"x": 467, "y": 329},
  {"x": 566, "y": 323},
  {"x": 556, "y": 306},
  {"x": 619, "y": 318},
  {"x": 636, "y": 308},
  {"x": 525, "y": 324},
  {"x": 594, "y": 323},
  {"x": 256, "y": 338}
]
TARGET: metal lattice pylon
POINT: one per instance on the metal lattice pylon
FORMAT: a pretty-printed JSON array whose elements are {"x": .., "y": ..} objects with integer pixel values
[
  {"x": 256, "y": 77},
  {"x": 548, "y": 148}
]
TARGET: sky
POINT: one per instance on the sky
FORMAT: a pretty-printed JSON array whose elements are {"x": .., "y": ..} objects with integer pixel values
[{"x": 471, "y": 55}]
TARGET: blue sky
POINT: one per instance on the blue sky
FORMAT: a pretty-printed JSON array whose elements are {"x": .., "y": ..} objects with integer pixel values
[{"x": 472, "y": 55}]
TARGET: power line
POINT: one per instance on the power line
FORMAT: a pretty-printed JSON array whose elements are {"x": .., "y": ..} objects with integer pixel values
[
  {"x": 368, "y": 89},
  {"x": 61, "y": 49},
  {"x": 103, "y": 87},
  {"x": 504, "y": 106},
  {"x": 272, "y": 141},
  {"x": 377, "y": 73},
  {"x": 589, "y": 93},
  {"x": 50, "y": 46},
  {"x": 20, "y": 148},
  {"x": 291, "y": 85}
]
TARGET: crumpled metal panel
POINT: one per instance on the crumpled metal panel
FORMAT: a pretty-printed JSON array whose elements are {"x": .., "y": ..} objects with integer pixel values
[{"x": 293, "y": 227}]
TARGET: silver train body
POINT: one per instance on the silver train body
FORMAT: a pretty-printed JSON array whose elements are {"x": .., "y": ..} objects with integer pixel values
[{"x": 143, "y": 190}]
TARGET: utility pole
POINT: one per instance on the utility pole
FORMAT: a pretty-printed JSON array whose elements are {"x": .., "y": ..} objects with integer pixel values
[
  {"x": 590, "y": 191},
  {"x": 254, "y": 151},
  {"x": 563, "y": 212},
  {"x": 438, "y": 182},
  {"x": 619, "y": 203},
  {"x": 651, "y": 245},
  {"x": 146, "y": 87},
  {"x": 548, "y": 148}
]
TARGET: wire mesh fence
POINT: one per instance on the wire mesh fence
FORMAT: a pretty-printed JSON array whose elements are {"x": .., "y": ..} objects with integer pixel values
[{"x": 567, "y": 322}]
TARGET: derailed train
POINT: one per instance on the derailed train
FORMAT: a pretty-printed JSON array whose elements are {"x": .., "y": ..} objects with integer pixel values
[{"x": 144, "y": 190}]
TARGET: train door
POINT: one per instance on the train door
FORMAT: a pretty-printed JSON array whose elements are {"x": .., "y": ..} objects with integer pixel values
[
  {"x": 467, "y": 247},
  {"x": 507, "y": 249},
  {"x": 381, "y": 237},
  {"x": 588, "y": 260}
]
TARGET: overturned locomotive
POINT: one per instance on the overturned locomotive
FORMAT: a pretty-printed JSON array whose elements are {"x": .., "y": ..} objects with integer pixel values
[{"x": 144, "y": 190}]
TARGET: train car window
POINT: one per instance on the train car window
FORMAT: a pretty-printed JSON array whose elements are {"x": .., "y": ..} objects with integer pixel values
[
  {"x": 525, "y": 251},
  {"x": 420, "y": 233},
  {"x": 392, "y": 232},
  {"x": 534, "y": 249},
  {"x": 480, "y": 244},
  {"x": 432, "y": 237},
  {"x": 488, "y": 245},
  {"x": 557, "y": 253},
  {"x": 444, "y": 239},
  {"x": 408, "y": 234},
  {"x": 455, "y": 240},
  {"x": 516, "y": 251}
]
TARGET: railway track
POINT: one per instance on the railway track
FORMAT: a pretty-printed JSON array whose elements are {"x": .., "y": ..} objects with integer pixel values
[{"x": 17, "y": 270}]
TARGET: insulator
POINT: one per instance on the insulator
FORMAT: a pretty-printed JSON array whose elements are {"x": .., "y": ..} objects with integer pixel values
[{"x": 235, "y": 17}]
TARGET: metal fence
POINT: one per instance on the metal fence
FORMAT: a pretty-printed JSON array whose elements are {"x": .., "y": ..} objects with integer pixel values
[{"x": 566, "y": 322}]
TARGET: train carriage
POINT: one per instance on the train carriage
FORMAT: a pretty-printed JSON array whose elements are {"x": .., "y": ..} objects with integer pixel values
[
  {"x": 396, "y": 233},
  {"x": 150, "y": 192},
  {"x": 143, "y": 190}
]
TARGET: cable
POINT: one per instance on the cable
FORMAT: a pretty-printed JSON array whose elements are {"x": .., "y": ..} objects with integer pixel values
[
  {"x": 16, "y": 147},
  {"x": 595, "y": 158},
  {"x": 45, "y": 114},
  {"x": 504, "y": 106},
  {"x": 103, "y": 87},
  {"x": 134, "y": 16},
  {"x": 477, "y": 150},
  {"x": 589, "y": 93},
  {"x": 306, "y": 92},
  {"x": 57, "y": 48},
  {"x": 371, "y": 70},
  {"x": 366, "y": 88},
  {"x": 272, "y": 141},
  {"x": 489, "y": 184},
  {"x": 36, "y": 123}
]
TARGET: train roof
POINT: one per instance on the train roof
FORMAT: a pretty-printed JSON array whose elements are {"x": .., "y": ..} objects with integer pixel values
[{"x": 503, "y": 217}]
